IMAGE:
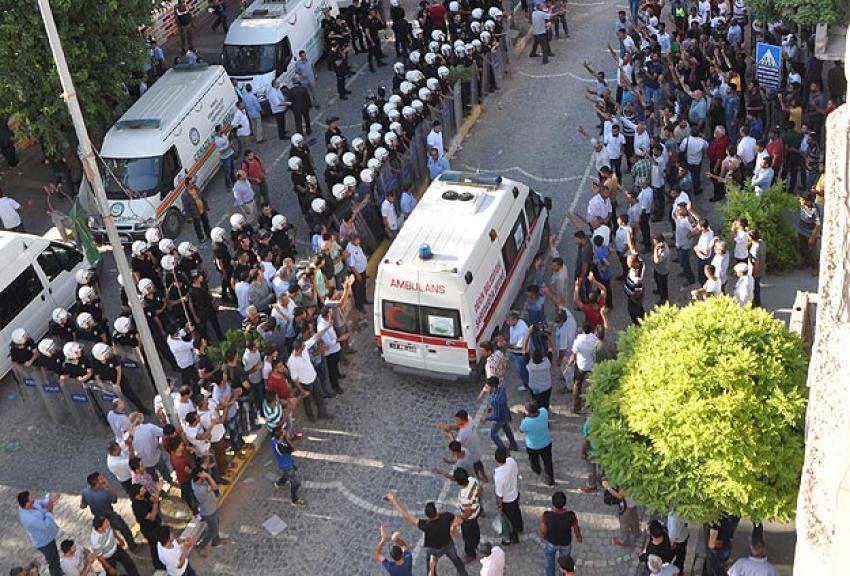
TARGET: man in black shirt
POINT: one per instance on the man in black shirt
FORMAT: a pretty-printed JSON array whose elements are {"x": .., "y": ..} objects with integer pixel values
[
  {"x": 108, "y": 368},
  {"x": 49, "y": 359},
  {"x": 439, "y": 529},
  {"x": 22, "y": 350},
  {"x": 719, "y": 544},
  {"x": 204, "y": 308},
  {"x": 146, "y": 511},
  {"x": 76, "y": 364},
  {"x": 299, "y": 96},
  {"x": 557, "y": 527},
  {"x": 658, "y": 544}
]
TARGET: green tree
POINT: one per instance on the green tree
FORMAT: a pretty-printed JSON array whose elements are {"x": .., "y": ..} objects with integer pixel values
[
  {"x": 703, "y": 409},
  {"x": 103, "y": 48},
  {"x": 802, "y": 12},
  {"x": 771, "y": 215}
]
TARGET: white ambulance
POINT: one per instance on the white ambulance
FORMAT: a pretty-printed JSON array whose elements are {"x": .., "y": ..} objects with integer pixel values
[
  {"x": 167, "y": 132},
  {"x": 262, "y": 45},
  {"x": 451, "y": 275}
]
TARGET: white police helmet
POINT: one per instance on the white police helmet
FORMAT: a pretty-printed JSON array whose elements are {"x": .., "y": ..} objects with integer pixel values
[
  {"x": 338, "y": 191},
  {"x": 168, "y": 263},
  {"x": 475, "y": 27},
  {"x": 84, "y": 320},
  {"x": 373, "y": 164},
  {"x": 237, "y": 221},
  {"x": 101, "y": 351},
  {"x": 86, "y": 294},
  {"x": 297, "y": 139},
  {"x": 278, "y": 222},
  {"x": 83, "y": 275},
  {"x": 408, "y": 112},
  {"x": 394, "y": 115},
  {"x": 349, "y": 181},
  {"x": 367, "y": 175},
  {"x": 454, "y": 6},
  {"x": 424, "y": 94},
  {"x": 372, "y": 109},
  {"x": 139, "y": 247},
  {"x": 72, "y": 350},
  {"x": 396, "y": 99},
  {"x": 19, "y": 336},
  {"x": 47, "y": 347},
  {"x": 218, "y": 234},
  {"x": 381, "y": 154},
  {"x": 477, "y": 13},
  {"x": 153, "y": 236},
  {"x": 398, "y": 68},
  {"x": 357, "y": 143},
  {"x": 186, "y": 249},
  {"x": 390, "y": 138},
  {"x": 388, "y": 107},
  {"x": 336, "y": 140},
  {"x": 418, "y": 105},
  {"x": 349, "y": 158},
  {"x": 294, "y": 163},
  {"x": 397, "y": 128},
  {"x": 415, "y": 55},
  {"x": 430, "y": 58},
  {"x": 376, "y": 127},
  {"x": 318, "y": 205},
  {"x": 59, "y": 315},
  {"x": 374, "y": 137},
  {"x": 311, "y": 179},
  {"x": 406, "y": 87},
  {"x": 122, "y": 324},
  {"x": 145, "y": 286},
  {"x": 166, "y": 245},
  {"x": 433, "y": 84},
  {"x": 331, "y": 159},
  {"x": 433, "y": 47},
  {"x": 485, "y": 37}
]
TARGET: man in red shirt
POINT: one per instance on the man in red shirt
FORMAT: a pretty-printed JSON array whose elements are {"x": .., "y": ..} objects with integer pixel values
[
  {"x": 776, "y": 150},
  {"x": 594, "y": 305},
  {"x": 183, "y": 464},
  {"x": 278, "y": 384},
  {"x": 256, "y": 173}
]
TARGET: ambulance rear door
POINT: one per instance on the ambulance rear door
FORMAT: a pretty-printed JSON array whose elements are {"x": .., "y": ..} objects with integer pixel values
[
  {"x": 400, "y": 329},
  {"x": 441, "y": 325}
]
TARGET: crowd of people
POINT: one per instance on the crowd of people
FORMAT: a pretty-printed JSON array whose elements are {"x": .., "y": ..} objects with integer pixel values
[{"x": 686, "y": 112}]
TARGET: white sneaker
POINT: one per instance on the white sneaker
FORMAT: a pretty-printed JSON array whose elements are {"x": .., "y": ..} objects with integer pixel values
[{"x": 521, "y": 388}]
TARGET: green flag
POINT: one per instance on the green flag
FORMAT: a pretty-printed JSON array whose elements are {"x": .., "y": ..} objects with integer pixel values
[{"x": 84, "y": 236}]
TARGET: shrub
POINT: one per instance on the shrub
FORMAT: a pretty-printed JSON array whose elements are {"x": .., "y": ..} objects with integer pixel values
[
  {"x": 771, "y": 214},
  {"x": 703, "y": 409},
  {"x": 459, "y": 73},
  {"x": 233, "y": 340}
]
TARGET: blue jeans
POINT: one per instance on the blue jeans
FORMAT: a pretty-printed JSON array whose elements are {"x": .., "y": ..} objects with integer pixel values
[
  {"x": 520, "y": 363},
  {"x": 552, "y": 553},
  {"x": 716, "y": 561},
  {"x": 234, "y": 432},
  {"x": 494, "y": 435},
  {"x": 685, "y": 262},
  {"x": 653, "y": 95},
  {"x": 227, "y": 168}
]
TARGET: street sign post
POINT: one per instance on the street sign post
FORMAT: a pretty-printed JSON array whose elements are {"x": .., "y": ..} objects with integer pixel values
[{"x": 768, "y": 65}]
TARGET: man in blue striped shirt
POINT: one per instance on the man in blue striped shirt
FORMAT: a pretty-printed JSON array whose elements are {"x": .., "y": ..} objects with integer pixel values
[{"x": 37, "y": 518}]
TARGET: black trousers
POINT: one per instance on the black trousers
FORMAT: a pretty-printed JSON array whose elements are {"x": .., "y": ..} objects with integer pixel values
[
  {"x": 121, "y": 557},
  {"x": 375, "y": 56},
  {"x": 679, "y": 555},
  {"x": 202, "y": 227},
  {"x": 51, "y": 555},
  {"x": 541, "y": 40},
  {"x": 359, "y": 290},
  {"x": 152, "y": 542},
  {"x": 302, "y": 121},
  {"x": 661, "y": 285},
  {"x": 534, "y": 457},
  {"x": 280, "y": 120},
  {"x": 471, "y": 533},
  {"x": 635, "y": 308},
  {"x": 645, "y": 233},
  {"x": 210, "y": 317},
  {"x": 332, "y": 361},
  {"x": 226, "y": 289},
  {"x": 542, "y": 398},
  {"x": 514, "y": 514}
]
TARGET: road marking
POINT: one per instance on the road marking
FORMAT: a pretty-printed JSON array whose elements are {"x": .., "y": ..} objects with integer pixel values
[
  {"x": 524, "y": 172},
  {"x": 351, "y": 497},
  {"x": 444, "y": 492},
  {"x": 574, "y": 202},
  {"x": 558, "y": 75}
]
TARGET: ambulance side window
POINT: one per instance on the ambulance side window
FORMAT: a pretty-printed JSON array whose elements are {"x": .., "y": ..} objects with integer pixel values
[
  {"x": 170, "y": 167},
  {"x": 401, "y": 316},
  {"x": 532, "y": 207},
  {"x": 512, "y": 246},
  {"x": 284, "y": 56},
  {"x": 440, "y": 322}
]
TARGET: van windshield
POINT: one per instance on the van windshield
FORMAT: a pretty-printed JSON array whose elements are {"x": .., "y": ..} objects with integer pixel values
[
  {"x": 249, "y": 60},
  {"x": 137, "y": 177}
]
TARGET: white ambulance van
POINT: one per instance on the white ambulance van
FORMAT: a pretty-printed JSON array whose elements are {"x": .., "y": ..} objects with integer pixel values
[
  {"x": 451, "y": 275},
  {"x": 166, "y": 132},
  {"x": 37, "y": 275},
  {"x": 262, "y": 45}
]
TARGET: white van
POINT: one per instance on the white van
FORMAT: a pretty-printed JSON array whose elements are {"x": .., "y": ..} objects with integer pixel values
[
  {"x": 451, "y": 275},
  {"x": 170, "y": 129},
  {"x": 262, "y": 45},
  {"x": 38, "y": 275}
]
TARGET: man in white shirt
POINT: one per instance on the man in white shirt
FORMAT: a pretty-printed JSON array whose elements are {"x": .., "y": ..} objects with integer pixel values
[
  {"x": 615, "y": 144},
  {"x": 278, "y": 106},
  {"x": 389, "y": 214},
  {"x": 492, "y": 560},
  {"x": 599, "y": 205},
  {"x": 184, "y": 354},
  {"x": 685, "y": 233},
  {"x": 303, "y": 375},
  {"x": 331, "y": 347},
  {"x": 506, "y": 481},
  {"x": 747, "y": 150},
  {"x": 694, "y": 147},
  {"x": 357, "y": 262},
  {"x": 9, "y": 216},
  {"x": 147, "y": 442},
  {"x": 518, "y": 330},
  {"x": 756, "y": 564},
  {"x": 242, "y": 125},
  {"x": 118, "y": 462},
  {"x": 764, "y": 177},
  {"x": 566, "y": 329},
  {"x": 174, "y": 552},
  {"x": 599, "y": 155},
  {"x": 435, "y": 138},
  {"x": 583, "y": 357},
  {"x": 744, "y": 286},
  {"x": 118, "y": 421}
]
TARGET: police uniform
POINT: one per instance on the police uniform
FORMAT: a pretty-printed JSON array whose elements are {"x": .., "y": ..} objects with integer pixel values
[{"x": 108, "y": 372}]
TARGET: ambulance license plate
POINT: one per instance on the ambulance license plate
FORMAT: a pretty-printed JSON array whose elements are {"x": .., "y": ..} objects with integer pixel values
[{"x": 402, "y": 346}]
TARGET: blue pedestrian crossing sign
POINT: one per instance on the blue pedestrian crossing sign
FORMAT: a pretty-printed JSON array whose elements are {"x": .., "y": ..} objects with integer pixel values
[{"x": 768, "y": 65}]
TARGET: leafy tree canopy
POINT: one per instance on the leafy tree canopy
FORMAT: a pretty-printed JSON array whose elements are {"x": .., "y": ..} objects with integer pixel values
[
  {"x": 703, "y": 409},
  {"x": 802, "y": 12},
  {"x": 103, "y": 48}
]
